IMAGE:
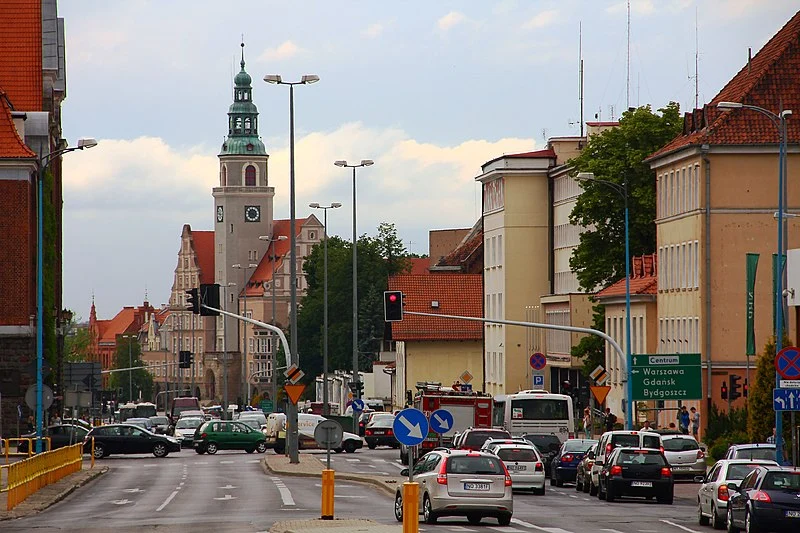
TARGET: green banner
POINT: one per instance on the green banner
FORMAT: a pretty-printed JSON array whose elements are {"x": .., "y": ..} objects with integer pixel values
[
  {"x": 776, "y": 299},
  {"x": 752, "y": 266}
]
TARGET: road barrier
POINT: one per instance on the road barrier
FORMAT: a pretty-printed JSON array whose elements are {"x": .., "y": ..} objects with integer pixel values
[
  {"x": 29, "y": 475},
  {"x": 29, "y": 446}
]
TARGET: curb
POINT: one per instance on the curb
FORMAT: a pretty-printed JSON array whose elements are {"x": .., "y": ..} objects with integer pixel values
[{"x": 386, "y": 486}]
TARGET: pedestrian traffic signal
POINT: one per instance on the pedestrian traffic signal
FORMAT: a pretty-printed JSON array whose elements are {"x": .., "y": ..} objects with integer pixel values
[
  {"x": 724, "y": 391},
  {"x": 735, "y": 386},
  {"x": 393, "y": 306},
  {"x": 209, "y": 296},
  {"x": 193, "y": 300}
]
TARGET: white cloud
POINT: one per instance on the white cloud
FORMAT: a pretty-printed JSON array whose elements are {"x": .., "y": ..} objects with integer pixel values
[
  {"x": 450, "y": 20},
  {"x": 373, "y": 31},
  {"x": 286, "y": 50},
  {"x": 638, "y": 7},
  {"x": 545, "y": 18}
]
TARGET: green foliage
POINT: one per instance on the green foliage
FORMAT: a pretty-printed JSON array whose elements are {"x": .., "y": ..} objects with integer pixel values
[
  {"x": 141, "y": 379},
  {"x": 617, "y": 155},
  {"x": 592, "y": 347},
  {"x": 718, "y": 447},
  {"x": 50, "y": 230},
  {"x": 761, "y": 417},
  {"x": 77, "y": 342},
  {"x": 721, "y": 423}
]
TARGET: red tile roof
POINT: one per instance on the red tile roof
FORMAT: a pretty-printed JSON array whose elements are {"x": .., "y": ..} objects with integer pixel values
[
  {"x": 457, "y": 294},
  {"x": 277, "y": 249},
  {"x": 11, "y": 145},
  {"x": 644, "y": 278},
  {"x": 769, "y": 80},
  {"x": 549, "y": 152},
  {"x": 161, "y": 315},
  {"x": 21, "y": 53},
  {"x": 203, "y": 242},
  {"x": 122, "y": 323},
  {"x": 468, "y": 255}
]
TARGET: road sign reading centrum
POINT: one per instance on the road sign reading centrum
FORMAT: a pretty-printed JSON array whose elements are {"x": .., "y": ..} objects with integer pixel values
[{"x": 667, "y": 377}]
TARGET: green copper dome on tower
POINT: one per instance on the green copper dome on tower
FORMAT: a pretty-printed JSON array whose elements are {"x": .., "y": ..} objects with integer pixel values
[{"x": 243, "y": 119}]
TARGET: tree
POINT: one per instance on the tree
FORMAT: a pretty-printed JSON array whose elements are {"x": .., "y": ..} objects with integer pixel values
[
  {"x": 77, "y": 342},
  {"x": 138, "y": 381},
  {"x": 592, "y": 347},
  {"x": 615, "y": 155},
  {"x": 760, "y": 415}
]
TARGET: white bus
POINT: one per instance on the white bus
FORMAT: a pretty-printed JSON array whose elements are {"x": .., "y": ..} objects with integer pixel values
[{"x": 540, "y": 412}]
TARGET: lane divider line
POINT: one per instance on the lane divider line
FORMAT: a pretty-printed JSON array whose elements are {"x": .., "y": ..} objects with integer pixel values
[
  {"x": 166, "y": 502},
  {"x": 679, "y": 526}
]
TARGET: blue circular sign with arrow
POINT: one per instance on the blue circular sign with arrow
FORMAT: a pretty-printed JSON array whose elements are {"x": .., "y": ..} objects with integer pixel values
[
  {"x": 442, "y": 421},
  {"x": 410, "y": 426},
  {"x": 358, "y": 404}
]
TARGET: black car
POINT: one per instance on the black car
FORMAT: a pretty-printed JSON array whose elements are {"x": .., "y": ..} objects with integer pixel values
[
  {"x": 60, "y": 435},
  {"x": 160, "y": 424},
  {"x": 636, "y": 472},
  {"x": 583, "y": 472},
  {"x": 125, "y": 439},
  {"x": 564, "y": 466},
  {"x": 548, "y": 446},
  {"x": 379, "y": 433},
  {"x": 767, "y": 499}
]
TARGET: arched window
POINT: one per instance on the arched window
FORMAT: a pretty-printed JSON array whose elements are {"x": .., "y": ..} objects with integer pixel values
[
  {"x": 224, "y": 177},
  {"x": 238, "y": 127},
  {"x": 250, "y": 176},
  {"x": 247, "y": 125}
]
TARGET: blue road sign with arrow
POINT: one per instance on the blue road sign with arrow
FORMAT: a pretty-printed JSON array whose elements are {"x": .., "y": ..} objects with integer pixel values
[
  {"x": 441, "y": 421},
  {"x": 786, "y": 399},
  {"x": 410, "y": 426},
  {"x": 358, "y": 404}
]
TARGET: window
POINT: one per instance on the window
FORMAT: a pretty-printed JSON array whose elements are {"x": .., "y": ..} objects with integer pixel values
[
  {"x": 249, "y": 177},
  {"x": 312, "y": 235}
]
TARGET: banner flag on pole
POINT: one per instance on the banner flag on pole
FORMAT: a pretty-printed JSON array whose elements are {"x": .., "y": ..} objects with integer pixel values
[{"x": 752, "y": 267}]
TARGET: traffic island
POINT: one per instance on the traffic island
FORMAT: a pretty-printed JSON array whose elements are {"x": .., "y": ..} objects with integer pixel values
[{"x": 354, "y": 525}]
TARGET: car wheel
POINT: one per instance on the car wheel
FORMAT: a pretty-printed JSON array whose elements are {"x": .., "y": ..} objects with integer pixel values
[
  {"x": 578, "y": 485},
  {"x": 474, "y": 519},
  {"x": 279, "y": 450},
  {"x": 538, "y": 492},
  {"x": 504, "y": 519},
  {"x": 559, "y": 481},
  {"x": 701, "y": 518},
  {"x": 600, "y": 494},
  {"x": 731, "y": 527},
  {"x": 350, "y": 446},
  {"x": 261, "y": 447},
  {"x": 211, "y": 448},
  {"x": 552, "y": 481},
  {"x": 592, "y": 489},
  {"x": 338, "y": 450},
  {"x": 371, "y": 445},
  {"x": 717, "y": 522},
  {"x": 398, "y": 507},
  {"x": 610, "y": 496},
  {"x": 585, "y": 486},
  {"x": 160, "y": 449},
  {"x": 427, "y": 511},
  {"x": 99, "y": 451},
  {"x": 749, "y": 526}
]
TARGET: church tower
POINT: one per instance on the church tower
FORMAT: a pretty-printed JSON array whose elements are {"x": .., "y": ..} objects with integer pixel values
[{"x": 242, "y": 203}]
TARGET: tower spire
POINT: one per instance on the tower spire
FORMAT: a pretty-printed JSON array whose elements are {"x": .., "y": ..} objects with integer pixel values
[{"x": 242, "y": 63}]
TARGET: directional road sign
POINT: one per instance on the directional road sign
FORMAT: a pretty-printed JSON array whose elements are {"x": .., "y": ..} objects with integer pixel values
[
  {"x": 328, "y": 433},
  {"x": 667, "y": 377},
  {"x": 538, "y": 361},
  {"x": 410, "y": 426},
  {"x": 442, "y": 421},
  {"x": 358, "y": 404},
  {"x": 786, "y": 399},
  {"x": 787, "y": 363}
]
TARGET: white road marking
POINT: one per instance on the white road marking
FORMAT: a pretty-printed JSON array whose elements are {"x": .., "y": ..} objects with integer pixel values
[
  {"x": 226, "y": 462},
  {"x": 353, "y": 460},
  {"x": 612, "y": 530},
  {"x": 521, "y": 523},
  {"x": 226, "y": 497},
  {"x": 286, "y": 495},
  {"x": 573, "y": 496},
  {"x": 200, "y": 463},
  {"x": 349, "y": 496},
  {"x": 679, "y": 526},
  {"x": 121, "y": 502},
  {"x": 180, "y": 484},
  {"x": 550, "y": 529},
  {"x": 395, "y": 464},
  {"x": 228, "y": 487},
  {"x": 166, "y": 502},
  {"x": 254, "y": 461},
  {"x": 133, "y": 491}
]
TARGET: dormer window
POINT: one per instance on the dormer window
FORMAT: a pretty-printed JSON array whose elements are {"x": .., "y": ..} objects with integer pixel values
[{"x": 249, "y": 147}]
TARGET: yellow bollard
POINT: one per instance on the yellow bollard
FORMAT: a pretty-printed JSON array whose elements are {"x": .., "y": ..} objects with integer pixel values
[
  {"x": 410, "y": 507},
  {"x": 327, "y": 494},
  {"x": 92, "y": 452}
]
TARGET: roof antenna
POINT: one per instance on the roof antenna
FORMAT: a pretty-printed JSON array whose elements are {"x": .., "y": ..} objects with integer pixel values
[
  {"x": 580, "y": 71},
  {"x": 243, "y": 51}
]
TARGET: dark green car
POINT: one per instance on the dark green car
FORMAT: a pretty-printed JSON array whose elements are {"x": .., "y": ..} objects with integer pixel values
[{"x": 228, "y": 435}]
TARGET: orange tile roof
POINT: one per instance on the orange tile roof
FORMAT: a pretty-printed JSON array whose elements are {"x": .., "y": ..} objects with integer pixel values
[
  {"x": 21, "y": 53},
  {"x": 263, "y": 273},
  {"x": 161, "y": 315},
  {"x": 11, "y": 145},
  {"x": 118, "y": 325},
  {"x": 457, "y": 294},
  {"x": 644, "y": 278},
  {"x": 203, "y": 242},
  {"x": 769, "y": 80}
]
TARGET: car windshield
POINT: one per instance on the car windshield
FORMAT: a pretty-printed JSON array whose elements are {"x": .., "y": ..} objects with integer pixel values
[
  {"x": 641, "y": 457},
  {"x": 160, "y": 420},
  {"x": 188, "y": 423},
  {"x": 756, "y": 453},
  {"x": 474, "y": 465},
  {"x": 251, "y": 421},
  {"x": 544, "y": 442},
  {"x": 579, "y": 446},
  {"x": 475, "y": 439},
  {"x": 680, "y": 444},
  {"x": 625, "y": 440},
  {"x": 782, "y": 481},
  {"x": 517, "y": 454},
  {"x": 739, "y": 471},
  {"x": 383, "y": 422}
]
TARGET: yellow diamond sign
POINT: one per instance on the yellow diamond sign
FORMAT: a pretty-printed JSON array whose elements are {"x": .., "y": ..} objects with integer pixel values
[{"x": 466, "y": 377}]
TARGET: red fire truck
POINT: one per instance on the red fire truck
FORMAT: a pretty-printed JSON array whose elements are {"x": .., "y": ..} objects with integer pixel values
[{"x": 469, "y": 409}]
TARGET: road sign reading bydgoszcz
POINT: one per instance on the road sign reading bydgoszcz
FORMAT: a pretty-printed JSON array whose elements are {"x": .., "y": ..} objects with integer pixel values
[
  {"x": 787, "y": 363},
  {"x": 786, "y": 399},
  {"x": 667, "y": 377},
  {"x": 410, "y": 426},
  {"x": 441, "y": 421}
]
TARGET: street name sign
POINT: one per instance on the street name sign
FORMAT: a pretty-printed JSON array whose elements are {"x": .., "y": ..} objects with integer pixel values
[
  {"x": 789, "y": 384},
  {"x": 786, "y": 400},
  {"x": 410, "y": 426},
  {"x": 667, "y": 377},
  {"x": 441, "y": 421}
]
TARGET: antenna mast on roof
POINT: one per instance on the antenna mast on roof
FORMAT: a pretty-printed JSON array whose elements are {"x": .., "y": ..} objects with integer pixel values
[
  {"x": 696, "y": 62},
  {"x": 580, "y": 71},
  {"x": 628, "y": 79}
]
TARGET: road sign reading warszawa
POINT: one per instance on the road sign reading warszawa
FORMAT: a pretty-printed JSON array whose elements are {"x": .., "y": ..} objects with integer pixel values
[{"x": 667, "y": 377}]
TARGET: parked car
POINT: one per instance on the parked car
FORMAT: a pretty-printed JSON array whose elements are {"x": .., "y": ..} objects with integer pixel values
[
  {"x": 160, "y": 424},
  {"x": 583, "y": 472},
  {"x": 460, "y": 483},
  {"x": 636, "y": 472},
  {"x": 613, "y": 439},
  {"x": 60, "y": 435},
  {"x": 379, "y": 432},
  {"x": 126, "y": 439},
  {"x": 474, "y": 438},
  {"x": 684, "y": 455},
  {"x": 77, "y": 422},
  {"x": 144, "y": 423},
  {"x": 766, "y": 500},
  {"x": 761, "y": 451},
  {"x": 564, "y": 465},
  {"x": 548, "y": 445},
  {"x": 184, "y": 430},
  {"x": 713, "y": 496},
  {"x": 522, "y": 460},
  {"x": 228, "y": 435}
]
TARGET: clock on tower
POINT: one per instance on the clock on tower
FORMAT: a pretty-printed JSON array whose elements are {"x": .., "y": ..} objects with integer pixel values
[{"x": 252, "y": 213}]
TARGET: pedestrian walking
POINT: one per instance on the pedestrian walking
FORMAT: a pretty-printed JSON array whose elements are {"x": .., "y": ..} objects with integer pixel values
[
  {"x": 694, "y": 417},
  {"x": 611, "y": 419},
  {"x": 587, "y": 423},
  {"x": 683, "y": 420}
]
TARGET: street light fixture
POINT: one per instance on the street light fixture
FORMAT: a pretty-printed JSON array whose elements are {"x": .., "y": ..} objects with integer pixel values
[
  {"x": 292, "y": 438},
  {"x": 245, "y": 381},
  {"x": 356, "y": 393},
  {"x": 779, "y": 121},
  {"x": 273, "y": 345},
  {"x": 325, "y": 406},
  {"x": 41, "y": 163},
  {"x": 622, "y": 190}
]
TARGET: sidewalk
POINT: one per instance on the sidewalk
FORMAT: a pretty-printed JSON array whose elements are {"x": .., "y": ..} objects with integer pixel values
[{"x": 47, "y": 496}]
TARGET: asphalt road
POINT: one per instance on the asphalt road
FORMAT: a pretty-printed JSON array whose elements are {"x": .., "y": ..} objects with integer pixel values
[{"x": 230, "y": 492}]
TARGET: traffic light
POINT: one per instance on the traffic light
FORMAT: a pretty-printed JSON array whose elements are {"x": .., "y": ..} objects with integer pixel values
[
  {"x": 209, "y": 295},
  {"x": 746, "y": 388},
  {"x": 724, "y": 391},
  {"x": 184, "y": 359},
  {"x": 735, "y": 387},
  {"x": 193, "y": 300},
  {"x": 393, "y": 306},
  {"x": 356, "y": 387}
]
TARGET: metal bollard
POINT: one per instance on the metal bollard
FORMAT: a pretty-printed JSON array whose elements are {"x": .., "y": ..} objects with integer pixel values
[
  {"x": 92, "y": 452},
  {"x": 410, "y": 507},
  {"x": 327, "y": 494}
]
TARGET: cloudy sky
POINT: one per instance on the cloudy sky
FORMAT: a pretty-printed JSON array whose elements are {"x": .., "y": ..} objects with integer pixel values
[{"x": 427, "y": 89}]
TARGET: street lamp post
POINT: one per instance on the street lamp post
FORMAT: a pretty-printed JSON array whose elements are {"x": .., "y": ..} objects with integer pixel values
[
  {"x": 245, "y": 381},
  {"x": 273, "y": 346},
  {"x": 41, "y": 164},
  {"x": 305, "y": 80},
  {"x": 779, "y": 120},
  {"x": 325, "y": 406},
  {"x": 622, "y": 190},
  {"x": 225, "y": 351},
  {"x": 356, "y": 391}
]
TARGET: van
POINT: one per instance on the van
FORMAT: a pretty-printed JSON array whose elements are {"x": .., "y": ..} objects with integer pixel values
[
  {"x": 614, "y": 439},
  {"x": 183, "y": 404}
]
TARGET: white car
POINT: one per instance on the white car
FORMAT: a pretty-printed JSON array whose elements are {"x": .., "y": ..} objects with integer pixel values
[
  {"x": 712, "y": 498},
  {"x": 523, "y": 462},
  {"x": 684, "y": 455}
]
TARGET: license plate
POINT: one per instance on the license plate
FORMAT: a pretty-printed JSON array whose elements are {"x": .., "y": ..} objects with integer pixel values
[
  {"x": 792, "y": 514},
  {"x": 379, "y": 433},
  {"x": 680, "y": 468},
  {"x": 476, "y": 486},
  {"x": 516, "y": 468},
  {"x": 641, "y": 483}
]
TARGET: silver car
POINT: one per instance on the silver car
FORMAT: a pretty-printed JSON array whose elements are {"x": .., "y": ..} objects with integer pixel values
[
  {"x": 684, "y": 455},
  {"x": 460, "y": 483},
  {"x": 712, "y": 498},
  {"x": 185, "y": 428},
  {"x": 523, "y": 462}
]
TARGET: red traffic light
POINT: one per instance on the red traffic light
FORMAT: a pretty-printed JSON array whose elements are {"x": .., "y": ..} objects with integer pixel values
[{"x": 392, "y": 297}]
